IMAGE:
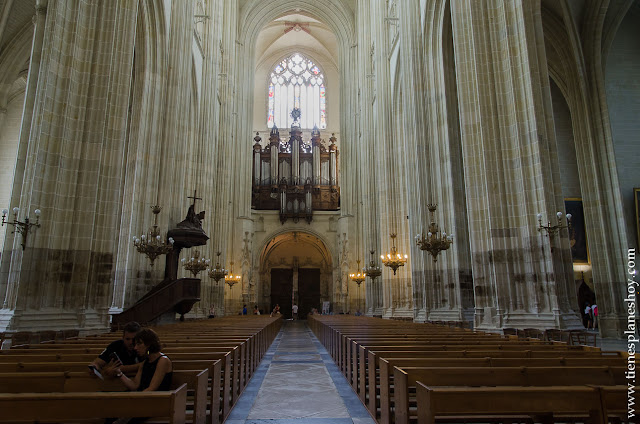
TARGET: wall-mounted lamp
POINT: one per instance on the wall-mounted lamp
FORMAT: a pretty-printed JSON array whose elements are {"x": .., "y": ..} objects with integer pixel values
[
  {"x": 22, "y": 227},
  {"x": 551, "y": 230}
]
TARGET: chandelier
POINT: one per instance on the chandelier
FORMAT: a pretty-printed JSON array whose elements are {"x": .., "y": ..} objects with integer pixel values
[
  {"x": 232, "y": 279},
  {"x": 151, "y": 244},
  {"x": 434, "y": 242},
  {"x": 553, "y": 229},
  {"x": 358, "y": 277},
  {"x": 195, "y": 264},
  {"x": 373, "y": 271},
  {"x": 217, "y": 273},
  {"x": 394, "y": 260}
]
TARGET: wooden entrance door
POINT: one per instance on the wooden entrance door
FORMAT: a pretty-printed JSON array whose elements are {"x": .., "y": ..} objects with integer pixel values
[
  {"x": 281, "y": 290},
  {"x": 308, "y": 291}
]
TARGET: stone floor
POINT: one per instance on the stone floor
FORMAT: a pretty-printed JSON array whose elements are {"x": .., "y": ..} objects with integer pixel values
[{"x": 297, "y": 382}]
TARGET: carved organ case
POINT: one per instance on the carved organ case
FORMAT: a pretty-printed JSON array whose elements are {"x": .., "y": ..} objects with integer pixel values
[{"x": 295, "y": 177}]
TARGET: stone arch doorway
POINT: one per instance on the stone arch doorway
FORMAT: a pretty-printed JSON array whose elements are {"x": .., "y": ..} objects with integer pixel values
[{"x": 296, "y": 267}]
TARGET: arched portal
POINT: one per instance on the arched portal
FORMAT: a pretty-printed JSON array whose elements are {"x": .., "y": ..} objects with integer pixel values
[{"x": 296, "y": 267}]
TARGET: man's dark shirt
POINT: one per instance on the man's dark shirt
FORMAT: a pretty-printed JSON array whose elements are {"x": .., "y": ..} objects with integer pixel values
[{"x": 127, "y": 358}]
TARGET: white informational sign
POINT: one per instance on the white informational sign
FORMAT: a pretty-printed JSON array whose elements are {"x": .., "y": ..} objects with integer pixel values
[{"x": 325, "y": 308}]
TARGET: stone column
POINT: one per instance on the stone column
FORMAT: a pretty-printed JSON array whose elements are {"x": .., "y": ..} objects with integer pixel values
[
  {"x": 437, "y": 283},
  {"x": 178, "y": 106},
  {"x": 521, "y": 277},
  {"x": 39, "y": 21},
  {"x": 77, "y": 138},
  {"x": 416, "y": 142},
  {"x": 603, "y": 214},
  {"x": 206, "y": 166}
]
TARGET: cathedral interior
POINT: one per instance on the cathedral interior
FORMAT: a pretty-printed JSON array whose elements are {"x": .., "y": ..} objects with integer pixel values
[{"x": 404, "y": 159}]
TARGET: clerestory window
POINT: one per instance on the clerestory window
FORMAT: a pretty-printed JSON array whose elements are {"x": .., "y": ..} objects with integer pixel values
[{"x": 296, "y": 82}]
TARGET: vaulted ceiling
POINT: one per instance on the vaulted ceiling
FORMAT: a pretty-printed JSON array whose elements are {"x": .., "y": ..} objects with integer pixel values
[
  {"x": 14, "y": 16},
  {"x": 296, "y": 29}
]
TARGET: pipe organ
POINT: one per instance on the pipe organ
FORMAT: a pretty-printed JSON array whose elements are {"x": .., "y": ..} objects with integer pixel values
[{"x": 295, "y": 177}]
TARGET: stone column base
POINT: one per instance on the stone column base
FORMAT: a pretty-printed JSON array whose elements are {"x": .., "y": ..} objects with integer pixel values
[{"x": 88, "y": 321}]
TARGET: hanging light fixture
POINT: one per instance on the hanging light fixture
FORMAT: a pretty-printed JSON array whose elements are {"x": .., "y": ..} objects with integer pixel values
[
  {"x": 434, "y": 242},
  {"x": 373, "y": 271},
  {"x": 358, "y": 277},
  {"x": 231, "y": 279},
  {"x": 217, "y": 273},
  {"x": 393, "y": 259},
  {"x": 151, "y": 244},
  {"x": 195, "y": 264}
]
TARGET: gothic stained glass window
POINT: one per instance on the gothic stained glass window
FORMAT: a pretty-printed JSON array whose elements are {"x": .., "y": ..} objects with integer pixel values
[{"x": 297, "y": 82}]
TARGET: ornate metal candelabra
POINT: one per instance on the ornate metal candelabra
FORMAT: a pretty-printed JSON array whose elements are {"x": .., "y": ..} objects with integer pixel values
[
  {"x": 151, "y": 244},
  {"x": 552, "y": 230},
  {"x": 21, "y": 227},
  {"x": 434, "y": 242},
  {"x": 217, "y": 273},
  {"x": 231, "y": 279},
  {"x": 394, "y": 260},
  {"x": 358, "y": 277},
  {"x": 195, "y": 264},
  {"x": 373, "y": 271}
]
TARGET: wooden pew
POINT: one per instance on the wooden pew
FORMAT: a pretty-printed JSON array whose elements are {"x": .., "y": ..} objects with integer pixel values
[
  {"x": 239, "y": 343},
  {"x": 63, "y": 407},
  {"x": 349, "y": 347},
  {"x": 614, "y": 401},
  {"x": 385, "y": 371},
  {"x": 228, "y": 370},
  {"x": 67, "y": 382},
  {"x": 492, "y": 402},
  {"x": 406, "y": 379},
  {"x": 217, "y": 390},
  {"x": 349, "y": 340},
  {"x": 239, "y": 369},
  {"x": 363, "y": 365}
]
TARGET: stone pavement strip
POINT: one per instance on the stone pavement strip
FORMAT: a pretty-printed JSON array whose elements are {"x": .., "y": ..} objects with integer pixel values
[{"x": 297, "y": 382}]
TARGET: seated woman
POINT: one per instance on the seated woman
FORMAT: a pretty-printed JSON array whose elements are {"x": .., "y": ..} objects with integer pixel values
[
  {"x": 156, "y": 370},
  {"x": 155, "y": 373}
]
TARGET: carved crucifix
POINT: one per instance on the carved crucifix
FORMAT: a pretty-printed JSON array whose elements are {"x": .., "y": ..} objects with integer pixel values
[{"x": 194, "y": 198}]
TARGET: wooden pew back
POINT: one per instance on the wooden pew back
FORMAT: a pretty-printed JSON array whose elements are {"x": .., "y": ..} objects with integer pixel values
[{"x": 62, "y": 407}]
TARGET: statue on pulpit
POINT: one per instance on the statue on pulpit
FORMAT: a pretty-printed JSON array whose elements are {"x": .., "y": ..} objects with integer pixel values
[{"x": 193, "y": 221}]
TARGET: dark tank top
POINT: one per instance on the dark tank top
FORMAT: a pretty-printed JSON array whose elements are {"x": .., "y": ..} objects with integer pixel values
[{"x": 148, "y": 370}]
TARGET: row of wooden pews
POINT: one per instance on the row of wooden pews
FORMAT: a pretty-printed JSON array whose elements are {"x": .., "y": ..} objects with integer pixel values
[
  {"x": 213, "y": 361},
  {"x": 406, "y": 373}
]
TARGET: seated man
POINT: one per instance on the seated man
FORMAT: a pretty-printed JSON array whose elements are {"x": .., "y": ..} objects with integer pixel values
[{"x": 120, "y": 354}]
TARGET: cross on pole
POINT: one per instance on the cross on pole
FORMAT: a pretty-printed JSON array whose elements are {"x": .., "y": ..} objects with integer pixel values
[{"x": 194, "y": 197}]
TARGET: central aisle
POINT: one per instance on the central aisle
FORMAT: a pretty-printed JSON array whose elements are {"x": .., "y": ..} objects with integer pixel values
[{"x": 298, "y": 382}]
